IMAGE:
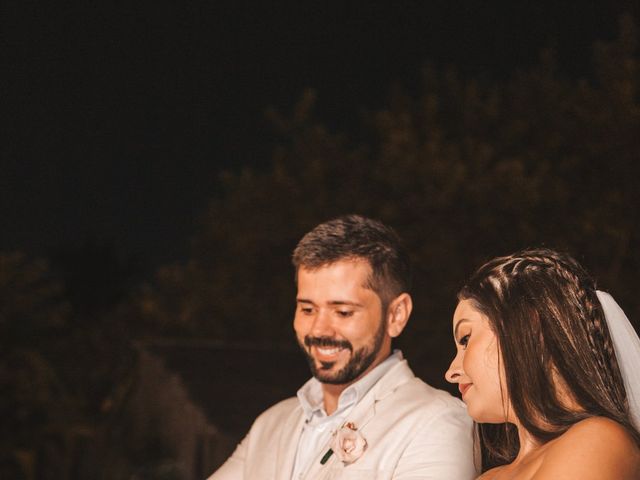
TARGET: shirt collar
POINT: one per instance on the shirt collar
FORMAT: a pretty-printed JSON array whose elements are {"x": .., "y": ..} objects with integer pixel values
[{"x": 310, "y": 394}]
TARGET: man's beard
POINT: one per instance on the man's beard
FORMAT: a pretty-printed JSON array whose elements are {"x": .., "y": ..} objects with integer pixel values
[{"x": 357, "y": 364}]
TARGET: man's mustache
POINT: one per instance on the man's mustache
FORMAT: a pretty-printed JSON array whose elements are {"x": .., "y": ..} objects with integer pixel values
[{"x": 310, "y": 341}]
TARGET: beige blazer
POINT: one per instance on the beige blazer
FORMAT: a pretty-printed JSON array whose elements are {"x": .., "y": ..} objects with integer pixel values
[{"x": 413, "y": 431}]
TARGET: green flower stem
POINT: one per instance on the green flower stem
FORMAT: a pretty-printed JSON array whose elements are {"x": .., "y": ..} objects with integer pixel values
[{"x": 326, "y": 457}]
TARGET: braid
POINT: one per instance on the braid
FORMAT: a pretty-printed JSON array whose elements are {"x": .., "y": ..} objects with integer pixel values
[
  {"x": 581, "y": 293},
  {"x": 582, "y": 290},
  {"x": 600, "y": 343},
  {"x": 602, "y": 338}
]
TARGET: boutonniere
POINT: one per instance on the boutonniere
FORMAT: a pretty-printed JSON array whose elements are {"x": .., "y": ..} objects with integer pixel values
[{"x": 348, "y": 444}]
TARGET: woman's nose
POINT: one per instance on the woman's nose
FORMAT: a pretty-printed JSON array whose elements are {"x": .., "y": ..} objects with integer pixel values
[{"x": 454, "y": 371}]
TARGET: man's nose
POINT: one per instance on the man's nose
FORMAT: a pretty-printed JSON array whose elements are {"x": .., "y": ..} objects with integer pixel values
[{"x": 322, "y": 325}]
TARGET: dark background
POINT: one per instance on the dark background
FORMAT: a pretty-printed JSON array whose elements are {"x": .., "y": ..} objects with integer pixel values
[
  {"x": 160, "y": 160},
  {"x": 119, "y": 117}
]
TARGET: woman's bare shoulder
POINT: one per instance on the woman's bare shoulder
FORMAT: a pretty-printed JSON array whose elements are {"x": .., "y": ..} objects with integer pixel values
[
  {"x": 600, "y": 430},
  {"x": 594, "y": 448},
  {"x": 493, "y": 473}
]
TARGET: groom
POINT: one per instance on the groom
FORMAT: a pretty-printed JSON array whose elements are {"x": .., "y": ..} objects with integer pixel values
[{"x": 363, "y": 414}]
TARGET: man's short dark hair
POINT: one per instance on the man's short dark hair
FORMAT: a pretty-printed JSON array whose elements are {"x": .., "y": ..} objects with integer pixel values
[{"x": 353, "y": 237}]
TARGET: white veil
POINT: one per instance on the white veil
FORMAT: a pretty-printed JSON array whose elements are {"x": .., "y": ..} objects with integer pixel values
[{"x": 626, "y": 345}]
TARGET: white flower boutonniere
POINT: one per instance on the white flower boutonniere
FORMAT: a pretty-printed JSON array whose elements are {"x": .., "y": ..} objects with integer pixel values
[{"x": 348, "y": 443}]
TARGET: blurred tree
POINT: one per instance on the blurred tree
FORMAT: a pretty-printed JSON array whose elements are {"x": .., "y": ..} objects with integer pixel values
[
  {"x": 34, "y": 400},
  {"x": 94, "y": 352},
  {"x": 66, "y": 354},
  {"x": 465, "y": 170},
  {"x": 31, "y": 301}
]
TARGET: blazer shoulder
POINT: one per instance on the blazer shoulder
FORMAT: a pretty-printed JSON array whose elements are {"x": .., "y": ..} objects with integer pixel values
[
  {"x": 430, "y": 397},
  {"x": 404, "y": 384},
  {"x": 411, "y": 397},
  {"x": 279, "y": 411}
]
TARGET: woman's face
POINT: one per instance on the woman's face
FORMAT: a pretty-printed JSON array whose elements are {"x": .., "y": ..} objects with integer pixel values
[{"x": 477, "y": 367}]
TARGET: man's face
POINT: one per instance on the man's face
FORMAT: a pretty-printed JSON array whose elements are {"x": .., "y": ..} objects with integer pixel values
[{"x": 339, "y": 322}]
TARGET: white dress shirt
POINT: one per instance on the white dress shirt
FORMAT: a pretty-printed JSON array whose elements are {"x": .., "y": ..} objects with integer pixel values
[{"x": 319, "y": 427}]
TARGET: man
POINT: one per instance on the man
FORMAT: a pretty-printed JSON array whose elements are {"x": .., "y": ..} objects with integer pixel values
[{"x": 363, "y": 414}]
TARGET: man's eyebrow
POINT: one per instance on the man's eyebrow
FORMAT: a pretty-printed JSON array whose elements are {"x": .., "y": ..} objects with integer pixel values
[
  {"x": 455, "y": 329},
  {"x": 345, "y": 302},
  {"x": 333, "y": 302}
]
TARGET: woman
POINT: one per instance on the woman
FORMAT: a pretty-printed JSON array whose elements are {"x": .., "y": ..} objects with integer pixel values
[{"x": 535, "y": 354}]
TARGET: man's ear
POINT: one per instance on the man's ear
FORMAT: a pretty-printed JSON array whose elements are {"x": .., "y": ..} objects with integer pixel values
[{"x": 398, "y": 314}]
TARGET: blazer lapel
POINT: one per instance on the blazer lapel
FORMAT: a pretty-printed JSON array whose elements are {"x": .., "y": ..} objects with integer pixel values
[
  {"x": 288, "y": 444},
  {"x": 365, "y": 410},
  {"x": 362, "y": 413},
  {"x": 316, "y": 468}
]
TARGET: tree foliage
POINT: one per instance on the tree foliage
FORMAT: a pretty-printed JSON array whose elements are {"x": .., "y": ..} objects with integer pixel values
[
  {"x": 64, "y": 355},
  {"x": 464, "y": 170},
  {"x": 31, "y": 308}
]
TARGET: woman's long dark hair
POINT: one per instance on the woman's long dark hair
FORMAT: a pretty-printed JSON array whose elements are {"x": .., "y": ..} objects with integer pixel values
[{"x": 553, "y": 339}]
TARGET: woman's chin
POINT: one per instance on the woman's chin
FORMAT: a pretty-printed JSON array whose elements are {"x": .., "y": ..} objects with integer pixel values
[{"x": 480, "y": 415}]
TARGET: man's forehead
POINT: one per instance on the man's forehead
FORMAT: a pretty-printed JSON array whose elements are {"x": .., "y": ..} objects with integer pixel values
[
  {"x": 336, "y": 275},
  {"x": 356, "y": 261}
]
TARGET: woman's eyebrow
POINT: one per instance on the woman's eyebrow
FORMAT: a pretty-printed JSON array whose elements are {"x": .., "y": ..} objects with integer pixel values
[{"x": 455, "y": 329}]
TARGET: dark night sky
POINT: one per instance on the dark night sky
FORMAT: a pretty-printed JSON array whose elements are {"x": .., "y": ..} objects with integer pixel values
[{"x": 121, "y": 114}]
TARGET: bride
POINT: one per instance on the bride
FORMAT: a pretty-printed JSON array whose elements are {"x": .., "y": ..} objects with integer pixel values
[{"x": 549, "y": 368}]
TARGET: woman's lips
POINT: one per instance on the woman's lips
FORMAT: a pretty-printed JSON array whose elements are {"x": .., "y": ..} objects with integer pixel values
[{"x": 463, "y": 387}]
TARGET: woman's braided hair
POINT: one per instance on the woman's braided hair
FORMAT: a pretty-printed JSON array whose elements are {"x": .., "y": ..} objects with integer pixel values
[{"x": 558, "y": 356}]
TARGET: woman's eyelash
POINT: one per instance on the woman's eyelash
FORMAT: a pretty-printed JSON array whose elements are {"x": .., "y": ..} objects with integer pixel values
[{"x": 464, "y": 340}]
